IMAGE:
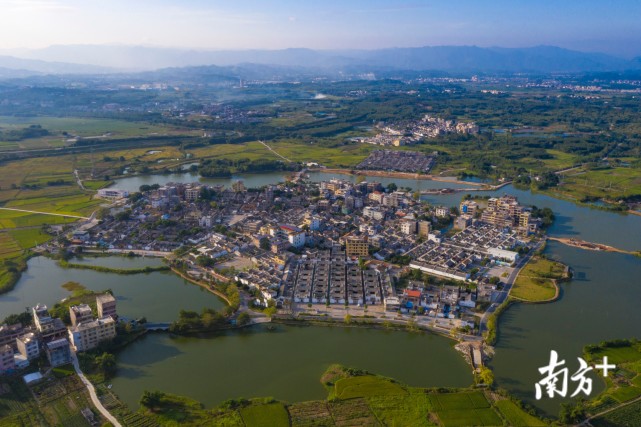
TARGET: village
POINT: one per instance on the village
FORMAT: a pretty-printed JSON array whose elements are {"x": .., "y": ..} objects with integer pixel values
[
  {"x": 329, "y": 249},
  {"x": 410, "y": 132}
]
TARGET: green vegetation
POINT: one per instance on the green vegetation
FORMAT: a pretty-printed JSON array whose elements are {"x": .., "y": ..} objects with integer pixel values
[
  {"x": 464, "y": 409},
  {"x": 516, "y": 416},
  {"x": 623, "y": 385},
  {"x": 10, "y": 270},
  {"x": 537, "y": 281},
  {"x": 492, "y": 322},
  {"x": 355, "y": 398},
  {"x": 190, "y": 322},
  {"x": 103, "y": 269},
  {"x": 269, "y": 415},
  {"x": 366, "y": 386}
]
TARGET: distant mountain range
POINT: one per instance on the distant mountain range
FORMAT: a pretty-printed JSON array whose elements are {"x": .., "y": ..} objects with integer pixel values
[{"x": 89, "y": 59}]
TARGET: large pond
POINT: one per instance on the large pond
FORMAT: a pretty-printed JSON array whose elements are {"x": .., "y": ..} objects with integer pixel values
[
  {"x": 286, "y": 363},
  {"x": 158, "y": 296},
  {"x": 133, "y": 183}
]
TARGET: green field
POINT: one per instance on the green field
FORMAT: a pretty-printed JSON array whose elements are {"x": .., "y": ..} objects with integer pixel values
[
  {"x": 607, "y": 182},
  {"x": 270, "y": 415},
  {"x": 402, "y": 410},
  {"x": 366, "y": 386},
  {"x": 516, "y": 416},
  {"x": 622, "y": 385},
  {"x": 628, "y": 416},
  {"x": 536, "y": 281},
  {"x": 464, "y": 409}
]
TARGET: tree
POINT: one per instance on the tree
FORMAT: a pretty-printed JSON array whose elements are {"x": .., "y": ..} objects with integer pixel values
[
  {"x": 264, "y": 244},
  {"x": 151, "y": 399},
  {"x": 391, "y": 187},
  {"x": 243, "y": 319},
  {"x": 361, "y": 263},
  {"x": 347, "y": 319},
  {"x": 486, "y": 376},
  {"x": 107, "y": 364}
]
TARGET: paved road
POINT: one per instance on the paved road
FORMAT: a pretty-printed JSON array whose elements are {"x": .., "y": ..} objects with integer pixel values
[
  {"x": 502, "y": 295},
  {"x": 45, "y": 213},
  {"x": 92, "y": 392}
]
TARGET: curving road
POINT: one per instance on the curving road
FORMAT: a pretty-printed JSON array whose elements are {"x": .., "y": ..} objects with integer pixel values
[{"x": 92, "y": 392}]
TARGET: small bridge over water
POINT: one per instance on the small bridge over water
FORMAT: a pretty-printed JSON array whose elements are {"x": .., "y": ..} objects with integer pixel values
[{"x": 157, "y": 326}]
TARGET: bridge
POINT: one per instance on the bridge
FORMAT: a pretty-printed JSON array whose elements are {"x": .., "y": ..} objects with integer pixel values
[{"x": 157, "y": 326}]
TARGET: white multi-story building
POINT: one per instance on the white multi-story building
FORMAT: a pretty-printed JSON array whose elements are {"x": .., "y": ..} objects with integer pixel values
[
  {"x": 408, "y": 227},
  {"x": 28, "y": 346},
  {"x": 88, "y": 335}
]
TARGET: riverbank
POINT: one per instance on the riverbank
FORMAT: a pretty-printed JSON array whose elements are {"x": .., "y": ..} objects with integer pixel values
[{"x": 202, "y": 284}]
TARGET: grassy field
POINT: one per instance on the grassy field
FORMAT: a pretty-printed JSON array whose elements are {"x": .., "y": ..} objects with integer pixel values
[
  {"x": 464, "y": 409},
  {"x": 82, "y": 127},
  {"x": 628, "y": 416},
  {"x": 608, "y": 182},
  {"x": 366, "y": 386},
  {"x": 536, "y": 281},
  {"x": 402, "y": 410},
  {"x": 625, "y": 383},
  {"x": 516, "y": 416},
  {"x": 269, "y": 415}
]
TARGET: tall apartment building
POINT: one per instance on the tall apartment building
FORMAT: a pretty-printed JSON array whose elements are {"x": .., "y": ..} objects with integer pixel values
[
  {"x": 506, "y": 212},
  {"x": 106, "y": 305},
  {"x": 28, "y": 346},
  {"x": 9, "y": 333},
  {"x": 192, "y": 192},
  {"x": 408, "y": 227},
  {"x": 80, "y": 313},
  {"x": 424, "y": 228},
  {"x": 468, "y": 207},
  {"x": 50, "y": 328},
  {"x": 7, "y": 361},
  {"x": 58, "y": 352},
  {"x": 86, "y": 336},
  {"x": 356, "y": 246}
]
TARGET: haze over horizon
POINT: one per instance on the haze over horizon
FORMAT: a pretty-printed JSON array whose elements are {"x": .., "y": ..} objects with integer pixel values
[{"x": 589, "y": 26}]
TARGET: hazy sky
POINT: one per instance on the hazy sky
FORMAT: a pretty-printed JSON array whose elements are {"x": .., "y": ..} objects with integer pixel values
[{"x": 608, "y": 26}]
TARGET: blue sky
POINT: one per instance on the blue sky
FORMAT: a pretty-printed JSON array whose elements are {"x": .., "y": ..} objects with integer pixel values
[{"x": 589, "y": 25}]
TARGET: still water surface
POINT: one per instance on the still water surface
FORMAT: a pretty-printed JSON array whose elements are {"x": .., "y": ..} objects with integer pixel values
[{"x": 158, "y": 296}]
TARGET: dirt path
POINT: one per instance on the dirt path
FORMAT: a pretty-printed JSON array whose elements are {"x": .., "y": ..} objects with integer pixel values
[
  {"x": 270, "y": 149},
  {"x": 45, "y": 213}
]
